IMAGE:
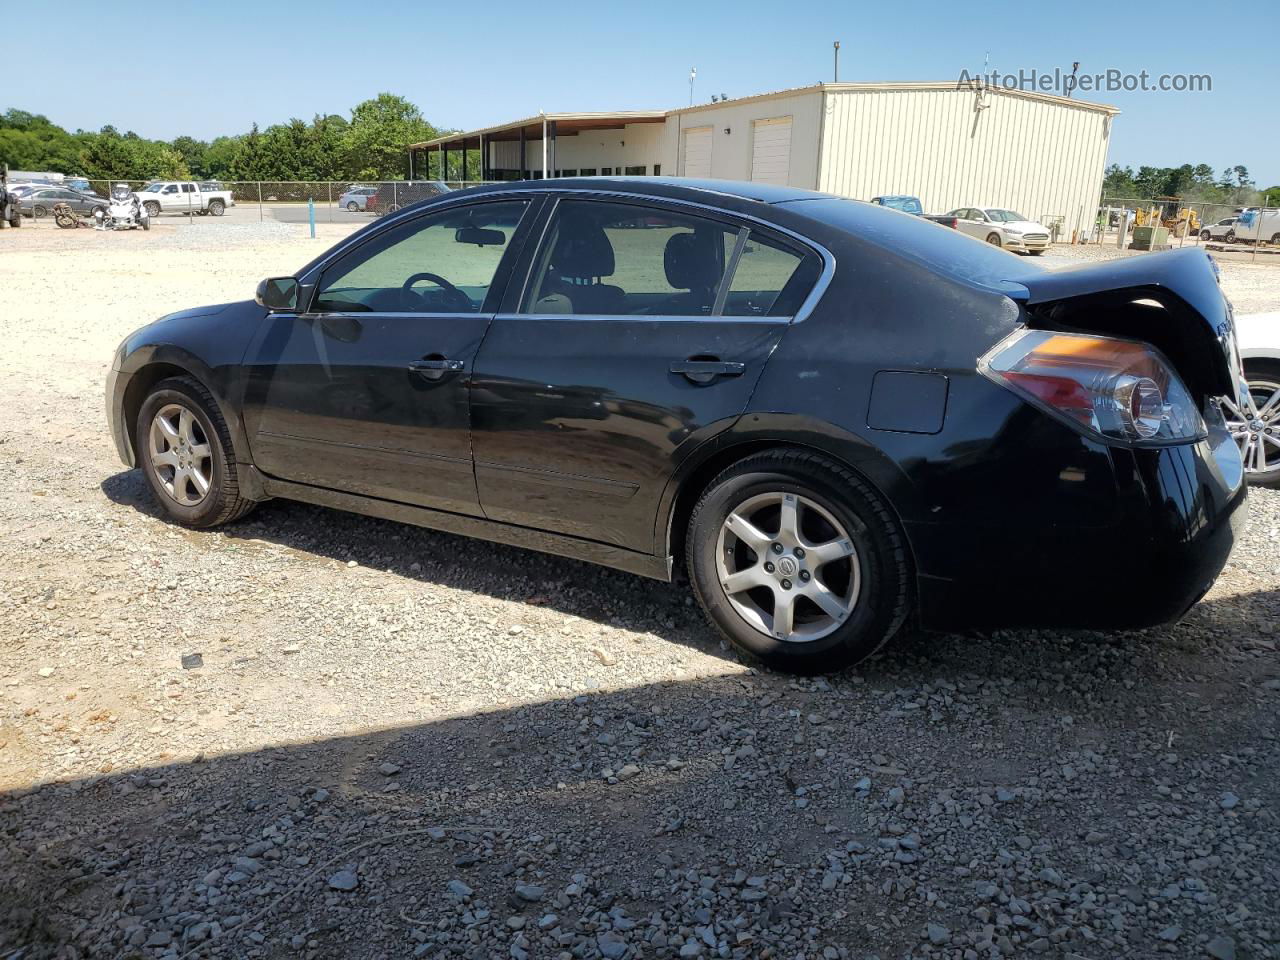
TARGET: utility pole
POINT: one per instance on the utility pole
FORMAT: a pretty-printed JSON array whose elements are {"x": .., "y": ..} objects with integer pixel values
[
  {"x": 693, "y": 73},
  {"x": 836, "y": 76}
]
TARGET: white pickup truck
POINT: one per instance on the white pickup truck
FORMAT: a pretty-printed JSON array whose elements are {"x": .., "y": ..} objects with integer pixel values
[{"x": 184, "y": 196}]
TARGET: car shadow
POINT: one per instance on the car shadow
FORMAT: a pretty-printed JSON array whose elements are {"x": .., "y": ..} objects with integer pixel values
[
  {"x": 606, "y": 802},
  {"x": 618, "y": 599}
]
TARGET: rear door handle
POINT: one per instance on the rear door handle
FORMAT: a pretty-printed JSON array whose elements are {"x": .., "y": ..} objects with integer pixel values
[
  {"x": 704, "y": 371},
  {"x": 436, "y": 367}
]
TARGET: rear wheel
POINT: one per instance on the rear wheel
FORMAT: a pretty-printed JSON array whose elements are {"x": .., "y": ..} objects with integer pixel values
[
  {"x": 38, "y": 212},
  {"x": 185, "y": 452},
  {"x": 1275, "y": 239},
  {"x": 1206, "y": 235},
  {"x": 994, "y": 239},
  {"x": 1230, "y": 237},
  {"x": 152, "y": 208},
  {"x": 797, "y": 562},
  {"x": 1255, "y": 423},
  {"x": 217, "y": 208}
]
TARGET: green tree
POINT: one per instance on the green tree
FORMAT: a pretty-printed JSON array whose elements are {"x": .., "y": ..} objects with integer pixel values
[{"x": 377, "y": 140}]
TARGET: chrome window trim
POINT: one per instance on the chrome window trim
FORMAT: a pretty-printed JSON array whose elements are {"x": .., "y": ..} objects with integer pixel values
[{"x": 555, "y": 192}]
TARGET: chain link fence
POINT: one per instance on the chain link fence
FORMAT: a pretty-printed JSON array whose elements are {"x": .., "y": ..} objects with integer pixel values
[{"x": 1159, "y": 224}]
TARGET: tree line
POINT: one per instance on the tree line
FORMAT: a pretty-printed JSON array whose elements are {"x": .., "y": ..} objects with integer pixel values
[
  {"x": 1193, "y": 183},
  {"x": 369, "y": 145}
]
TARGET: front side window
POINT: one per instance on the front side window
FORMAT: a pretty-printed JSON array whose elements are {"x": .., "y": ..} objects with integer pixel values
[
  {"x": 171, "y": 189},
  {"x": 620, "y": 259},
  {"x": 440, "y": 263}
]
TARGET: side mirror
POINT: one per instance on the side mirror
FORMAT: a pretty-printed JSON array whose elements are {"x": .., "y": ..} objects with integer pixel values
[{"x": 278, "y": 294}]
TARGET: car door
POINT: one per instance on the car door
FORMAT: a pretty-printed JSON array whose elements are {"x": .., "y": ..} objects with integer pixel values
[
  {"x": 640, "y": 333},
  {"x": 367, "y": 391},
  {"x": 964, "y": 220},
  {"x": 170, "y": 197}
]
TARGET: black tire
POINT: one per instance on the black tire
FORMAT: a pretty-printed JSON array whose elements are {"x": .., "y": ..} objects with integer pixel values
[
  {"x": 994, "y": 239},
  {"x": 152, "y": 208},
  {"x": 1275, "y": 239},
  {"x": 1206, "y": 235},
  {"x": 38, "y": 212},
  {"x": 146, "y": 223},
  {"x": 223, "y": 502},
  {"x": 1230, "y": 237},
  {"x": 15, "y": 220},
  {"x": 1035, "y": 253},
  {"x": 352, "y": 206},
  {"x": 217, "y": 208},
  {"x": 883, "y": 599}
]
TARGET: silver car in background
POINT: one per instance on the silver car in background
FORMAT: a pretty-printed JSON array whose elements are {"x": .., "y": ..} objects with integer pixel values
[
  {"x": 1002, "y": 228},
  {"x": 356, "y": 198}
]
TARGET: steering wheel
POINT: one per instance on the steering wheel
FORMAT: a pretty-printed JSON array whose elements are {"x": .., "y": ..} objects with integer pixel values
[{"x": 452, "y": 295}]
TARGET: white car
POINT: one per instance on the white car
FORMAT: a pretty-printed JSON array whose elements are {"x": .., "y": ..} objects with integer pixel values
[
  {"x": 1255, "y": 224},
  {"x": 1222, "y": 230},
  {"x": 1002, "y": 228},
  {"x": 1255, "y": 420},
  {"x": 184, "y": 196}
]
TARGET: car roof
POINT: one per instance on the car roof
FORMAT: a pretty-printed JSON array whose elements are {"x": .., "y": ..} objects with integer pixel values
[{"x": 673, "y": 187}]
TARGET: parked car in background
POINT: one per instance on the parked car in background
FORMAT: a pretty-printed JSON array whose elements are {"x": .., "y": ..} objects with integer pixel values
[
  {"x": 912, "y": 205},
  {"x": 184, "y": 196},
  {"x": 390, "y": 197},
  {"x": 1002, "y": 228},
  {"x": 963, "y": 438},
  {"x": 356, "y": 198},
  {"x": 1222, "y": 230},
  {"x": 40, "y": 201},
  {"x": 1254, "y": 224},
  {"x": 1255, "y": 419}
]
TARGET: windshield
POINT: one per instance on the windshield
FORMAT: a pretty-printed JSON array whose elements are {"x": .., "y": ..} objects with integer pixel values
[
  {"x": 1004, "y": 216},
  {"x": 153, "y": 188}
]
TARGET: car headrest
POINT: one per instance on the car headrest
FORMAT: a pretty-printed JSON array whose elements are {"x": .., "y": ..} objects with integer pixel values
[
  {"x": 582, "y": 251},
  {"x": 691, "y": 262}
]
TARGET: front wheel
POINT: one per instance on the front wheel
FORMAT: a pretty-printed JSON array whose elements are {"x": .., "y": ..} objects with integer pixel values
[
  {"x": 798, "y": 562},
  {"x": 152, "y": 208},
  {"x": 352, "y": 206},
  {"x": 1230, "y": 237},
  {"x": 185, "y": 452},
  {"x": 1255, "y": 423},
  {"x": 994, "y": 239},
  {"x": 1035, "y": 253},
  {"x": 1275, "y": 239}
]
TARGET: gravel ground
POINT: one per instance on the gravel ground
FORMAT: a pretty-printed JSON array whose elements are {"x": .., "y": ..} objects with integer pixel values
[{"x": 317, "y": 735}]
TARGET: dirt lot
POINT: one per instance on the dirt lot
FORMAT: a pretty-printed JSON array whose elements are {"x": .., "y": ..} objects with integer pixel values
[{"x": 398, "y": 743}]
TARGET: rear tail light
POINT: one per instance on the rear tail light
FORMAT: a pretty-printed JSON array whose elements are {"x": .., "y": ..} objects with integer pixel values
[{"x": 1113, "y": 389}]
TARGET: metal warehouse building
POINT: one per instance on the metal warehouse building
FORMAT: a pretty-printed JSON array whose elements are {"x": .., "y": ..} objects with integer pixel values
[{"x": 951, "y": 146}]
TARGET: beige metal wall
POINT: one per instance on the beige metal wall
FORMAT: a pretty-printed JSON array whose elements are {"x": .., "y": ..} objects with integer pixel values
[
  {"x": 732, "y": 134},
  {"x": 1043, "y": 158},
  {"x": 633, "y": 145}
]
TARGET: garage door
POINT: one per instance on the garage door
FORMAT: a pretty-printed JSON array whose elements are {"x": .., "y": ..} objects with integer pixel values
[
  {"x": 771, "y": 150},
  {"x": 697, "y": 152}
]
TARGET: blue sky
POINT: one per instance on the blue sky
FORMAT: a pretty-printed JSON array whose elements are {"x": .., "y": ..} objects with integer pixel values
[{"x": 219, "y": 69}]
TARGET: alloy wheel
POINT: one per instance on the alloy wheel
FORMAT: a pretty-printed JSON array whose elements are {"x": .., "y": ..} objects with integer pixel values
[
  {"x": 181, "y": 456},
  {"x": 788, "y": 567},
  {"x": 1254, "y": 422}
]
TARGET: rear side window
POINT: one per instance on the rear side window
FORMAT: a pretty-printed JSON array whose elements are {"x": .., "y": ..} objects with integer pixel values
[
  {"x": 620, "y": 259},
  {"x": 770, "y": 280}
]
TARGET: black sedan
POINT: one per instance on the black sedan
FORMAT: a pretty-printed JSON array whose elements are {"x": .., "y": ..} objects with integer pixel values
[{"x": 838, "y": 418}]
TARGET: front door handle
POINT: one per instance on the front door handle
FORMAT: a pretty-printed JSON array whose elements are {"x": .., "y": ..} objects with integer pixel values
[
  {"x": 704, "y": 371},
  {"x": 435, "y": 367}
]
